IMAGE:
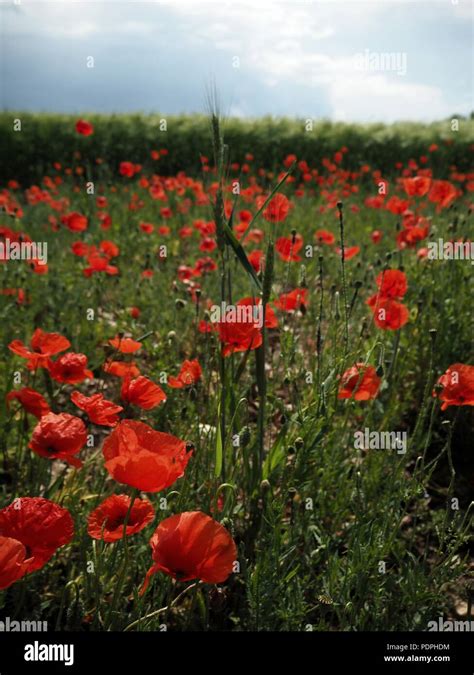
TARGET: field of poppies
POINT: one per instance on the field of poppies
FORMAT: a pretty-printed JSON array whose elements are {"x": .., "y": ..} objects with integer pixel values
[{"x": 239, "y": 398}]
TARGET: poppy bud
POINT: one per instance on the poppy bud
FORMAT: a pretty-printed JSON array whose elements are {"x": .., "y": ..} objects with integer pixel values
[
  {"x": 299, "y": 443},
  {"x": 379, "y": 371},
  {"x": 340, "y": 206},
  {"x": 433, "y": 332},
  {"x": 217, "y": 598},
  {"x": 265, "y": 485},
  {"x": 291, "y": 450},
  {"x": 244, "y": 437},
  {"x": 179, "y": 303},
  {"x": 303, "y": 283},
  {"x": 171, "y": 335},
  {"x": 193, "y": 394},
  {"x": 337, "y": 312}
]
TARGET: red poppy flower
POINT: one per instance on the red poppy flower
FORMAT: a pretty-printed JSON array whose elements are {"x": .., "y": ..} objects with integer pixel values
[
  {"x": 292, "y": 301},
  {"x": 142, "y": 392},
  {"x": 59, "y": 437},
  {"x": 98, "y": 409},
  {"x": 43, "y": 345},
  {"x": 417, "y": 186},
  {"x": 107, "y": 520},
  {"x": 99, "y": 263},
  {"x": 376, "y": 236},
  {"x": 239, "y": 335},
  {"x": 32, "y": 401},
  {"x": 149, "y": 460},
  {"x": 324, "y": 237},
  {"x": 396, "y": 205},
  {"x": 40, "y": 525},
  {"x": 205, "y": 327},
  {"x": 458, "y": 386},
  {"x": 256, "y": 259},
  {"x": 271, "y": 320},
  {"x": 192, "y": 545},
  {"x": 287, "y": 248},
  {"x": 70, "y": 368},
  {"x": 443, "y": 193},
  {"x": 110, "y": 249},
  {"x": 392, "y": 284},
  {"x": 147, "y": 227},
  {"x": 75, "y": 222},
  {"x": 204, "y": 266},
  {"x": 388, "y": 314},
  {"x": 277, "y": 208},
  {"x": 127, "y": 169},
  {"x": 189, "y": 374},
  {"x": 13, "y": 563},
  {"x": 349, "y": 252},
  {"x": 121, "y": 368},
  {"x": 80, "y": 249},
  {"x": 360, "y": 382},
  {"x": 125, "y": 345},
  {"x": 84, "y": 128},
  {"x": 207, "y": 244}
]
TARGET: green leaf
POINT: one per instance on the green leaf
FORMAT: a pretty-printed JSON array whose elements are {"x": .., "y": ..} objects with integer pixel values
[
  {"x": 276, "y": 455},
  {"x": 241, "y": 255},
  {"x": 219, "y": 449}
]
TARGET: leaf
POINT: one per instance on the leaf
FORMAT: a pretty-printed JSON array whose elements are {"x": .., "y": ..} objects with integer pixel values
[
  {"x": 241, "y": 255},
  {"x": 218, "y": 466},
  {"x": 276, "y": 455}
]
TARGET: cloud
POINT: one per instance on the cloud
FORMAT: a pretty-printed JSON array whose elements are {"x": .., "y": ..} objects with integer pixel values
[{"x": 294, "y": 54}]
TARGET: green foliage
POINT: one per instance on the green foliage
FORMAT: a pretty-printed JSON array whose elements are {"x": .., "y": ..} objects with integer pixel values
[{"x": 47, "y": 138}]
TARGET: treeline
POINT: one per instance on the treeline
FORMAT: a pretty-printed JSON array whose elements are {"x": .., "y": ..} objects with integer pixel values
[{"x": 31, "y": 143}]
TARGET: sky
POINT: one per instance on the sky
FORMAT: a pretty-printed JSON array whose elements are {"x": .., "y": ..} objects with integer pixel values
[{"x": 346, "y": 60}]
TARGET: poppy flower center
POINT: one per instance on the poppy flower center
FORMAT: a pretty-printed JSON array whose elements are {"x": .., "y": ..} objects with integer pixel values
[{"x": 118, "y": 521}]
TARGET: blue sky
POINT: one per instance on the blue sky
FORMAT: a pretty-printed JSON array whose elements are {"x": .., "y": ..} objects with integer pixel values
[{"x": 289, "y": 57}]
